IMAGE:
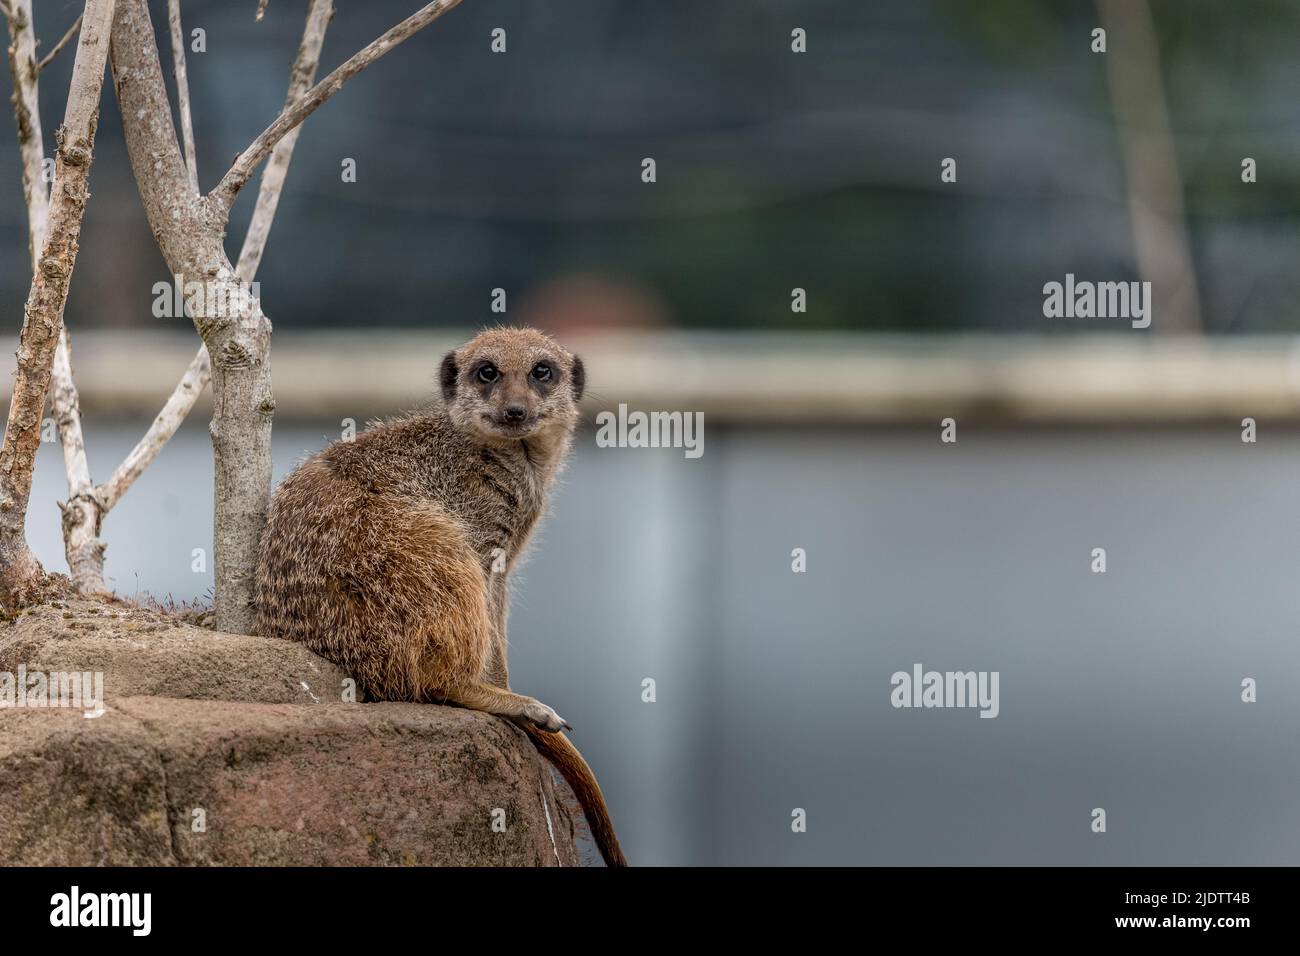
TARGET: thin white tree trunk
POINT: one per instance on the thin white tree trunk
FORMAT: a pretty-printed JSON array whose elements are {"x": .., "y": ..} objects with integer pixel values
[
  {"x": 189, "y": 230},
  {"x": 236, "y": 350},
  {"x": 20, "y": 572},
  {"x": 199, "y": 372}
]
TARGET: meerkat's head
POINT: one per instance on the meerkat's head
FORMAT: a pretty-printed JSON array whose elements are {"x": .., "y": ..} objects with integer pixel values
[{"x": 512, "y": 384}]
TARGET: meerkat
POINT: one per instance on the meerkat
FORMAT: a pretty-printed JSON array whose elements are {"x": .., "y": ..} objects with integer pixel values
[{"x": 390, "y": 554}]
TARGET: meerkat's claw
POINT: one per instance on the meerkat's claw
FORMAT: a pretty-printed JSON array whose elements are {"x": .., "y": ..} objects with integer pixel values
[
  {"x": 546, "y": 718},
  {"x": 554, "y": 723}
]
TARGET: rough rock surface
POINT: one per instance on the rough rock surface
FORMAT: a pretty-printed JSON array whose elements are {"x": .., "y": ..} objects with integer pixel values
[
  {"x": 145, "y": 652},
  {"x": 236, "y": 750}
]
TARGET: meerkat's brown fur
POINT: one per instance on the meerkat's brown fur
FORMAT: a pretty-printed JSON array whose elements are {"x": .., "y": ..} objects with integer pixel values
[{"x": 390, "y": 554}]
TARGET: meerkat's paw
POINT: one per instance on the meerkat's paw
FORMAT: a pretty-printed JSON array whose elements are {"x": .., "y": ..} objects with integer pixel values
[{"x": 545, "y": 718}]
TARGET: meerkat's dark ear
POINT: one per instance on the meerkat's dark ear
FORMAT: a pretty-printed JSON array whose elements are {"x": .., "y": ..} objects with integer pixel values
[
  {"x": 447, "y": 376},
  {"x": 579, "y": 374}
]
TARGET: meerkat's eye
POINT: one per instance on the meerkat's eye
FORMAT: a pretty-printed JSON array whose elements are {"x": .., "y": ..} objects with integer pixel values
[
  {"x": 488, "y": 373},
  {"x": 542, "y": 372}
]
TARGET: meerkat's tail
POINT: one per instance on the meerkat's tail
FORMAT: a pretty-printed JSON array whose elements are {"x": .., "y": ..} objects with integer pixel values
[{"x": 560, "y": 751}]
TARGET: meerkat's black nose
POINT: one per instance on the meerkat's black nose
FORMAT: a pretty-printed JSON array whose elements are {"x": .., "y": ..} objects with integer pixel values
[{"x": 515, "y": 413}]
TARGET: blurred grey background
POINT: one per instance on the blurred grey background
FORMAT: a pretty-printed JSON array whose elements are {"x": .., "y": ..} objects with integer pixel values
[
  {"x": 1118, "y": 690},
  {"x": 821, "y": 171}
]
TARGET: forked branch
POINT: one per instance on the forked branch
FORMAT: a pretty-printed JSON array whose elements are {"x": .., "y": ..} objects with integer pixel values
[
  {"x": 293, "y": 114},
  {"x": 196, "y": 377}
]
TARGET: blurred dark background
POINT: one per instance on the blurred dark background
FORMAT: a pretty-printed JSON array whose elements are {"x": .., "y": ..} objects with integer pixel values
[{"x": 775, "y": 170}]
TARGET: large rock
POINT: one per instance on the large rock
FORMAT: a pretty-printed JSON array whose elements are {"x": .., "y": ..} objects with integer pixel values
[{"x": 236, "y": 750}]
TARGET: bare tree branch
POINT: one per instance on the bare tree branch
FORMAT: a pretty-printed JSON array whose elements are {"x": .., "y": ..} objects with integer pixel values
[
  {"x": 247, "y": 161},
  {"x": 72, "y": 32},
  {"x": 189, "y": 232},
  {"x": 164, "y": 426},
  {"x": 301, "y": 77},
  {"x": 81, "y": 512},
  {"x": 27, "y": 114},
  {"x": 183, "y": 90},
  {"x": 20, "y": 572},
  {"x": 81, "y": 516},
  {"x": 196, "y": 376}
]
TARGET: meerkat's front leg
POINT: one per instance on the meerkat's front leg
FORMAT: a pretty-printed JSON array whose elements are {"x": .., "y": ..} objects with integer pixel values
[
  {"x": 498, "y": 669},
  {"x": 504, "y": 703}
]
